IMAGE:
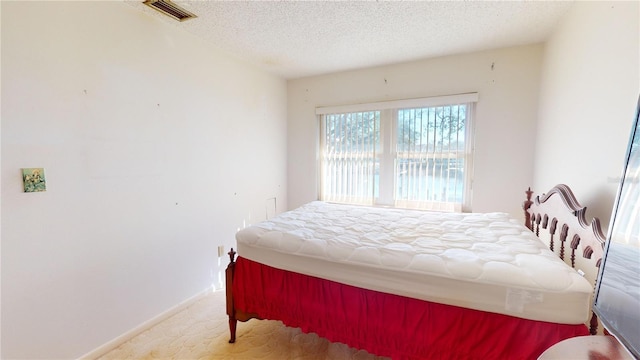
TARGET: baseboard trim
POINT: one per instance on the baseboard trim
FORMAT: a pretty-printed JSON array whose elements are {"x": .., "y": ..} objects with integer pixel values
[{"x": 105, "y": 348}]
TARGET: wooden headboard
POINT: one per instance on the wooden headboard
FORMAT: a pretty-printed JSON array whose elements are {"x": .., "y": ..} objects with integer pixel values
[{"x": 560, "y": 221}]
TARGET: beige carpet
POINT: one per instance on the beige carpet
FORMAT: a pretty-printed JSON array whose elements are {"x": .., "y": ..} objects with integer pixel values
[{"x": 201, "y": 332}]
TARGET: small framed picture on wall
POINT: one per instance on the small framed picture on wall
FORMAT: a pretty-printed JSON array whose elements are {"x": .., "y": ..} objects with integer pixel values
[{"x": 33, "y": 180}]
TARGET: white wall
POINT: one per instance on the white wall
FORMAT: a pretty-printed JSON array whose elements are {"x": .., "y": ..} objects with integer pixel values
[
  {"x": 589, "y": 89},
  {"x": 156, "y": 148},
  {"x": 507, "y": 81}
]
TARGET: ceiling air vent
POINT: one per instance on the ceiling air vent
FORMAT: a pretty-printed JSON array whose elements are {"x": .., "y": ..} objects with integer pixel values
[{"x": 169, "y": 8}]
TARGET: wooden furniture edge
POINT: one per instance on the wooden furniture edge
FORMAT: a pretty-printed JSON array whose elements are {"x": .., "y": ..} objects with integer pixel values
[{"x": 234, "y": 314}]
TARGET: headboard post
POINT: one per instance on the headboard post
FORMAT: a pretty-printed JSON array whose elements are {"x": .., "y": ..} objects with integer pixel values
[{"x": 525, "y": 206}]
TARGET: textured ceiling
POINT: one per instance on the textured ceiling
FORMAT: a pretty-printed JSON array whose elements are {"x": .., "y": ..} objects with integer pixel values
[{"x": 304, "y": 38}]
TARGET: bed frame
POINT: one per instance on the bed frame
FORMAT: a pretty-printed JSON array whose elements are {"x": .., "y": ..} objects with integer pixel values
[
  {"x": 560, "y": 221},
  {"x": 557, "y": 210}
]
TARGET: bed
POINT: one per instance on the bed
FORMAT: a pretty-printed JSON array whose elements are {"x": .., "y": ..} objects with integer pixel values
[{"x": 412, "y": 284}]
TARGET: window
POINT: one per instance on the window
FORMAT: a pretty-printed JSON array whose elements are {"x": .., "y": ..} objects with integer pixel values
[{"x": 410, "y": 153}]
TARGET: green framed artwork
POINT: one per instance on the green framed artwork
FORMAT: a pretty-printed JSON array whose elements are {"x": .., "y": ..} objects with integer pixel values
[{"x": 33, "y": 180}]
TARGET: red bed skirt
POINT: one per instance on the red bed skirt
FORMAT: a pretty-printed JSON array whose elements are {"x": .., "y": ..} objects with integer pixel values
[{"x": 389, "y": 325}]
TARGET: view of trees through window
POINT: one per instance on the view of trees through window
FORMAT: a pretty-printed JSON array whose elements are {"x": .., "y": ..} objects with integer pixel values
[
  {"x": 425, "y": 151},
  {"x": 430, "y": 154},
  {"x": 350, "y": 162}
]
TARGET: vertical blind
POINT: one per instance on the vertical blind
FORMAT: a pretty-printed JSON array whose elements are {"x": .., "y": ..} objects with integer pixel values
[{"x": 350, "y": 145}]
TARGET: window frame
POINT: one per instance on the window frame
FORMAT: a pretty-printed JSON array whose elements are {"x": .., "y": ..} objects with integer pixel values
[{"x": 388, "y": 131}]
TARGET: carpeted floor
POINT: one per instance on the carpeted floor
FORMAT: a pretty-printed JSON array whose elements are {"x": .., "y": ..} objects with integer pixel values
[{"x": 201, "y": 332}]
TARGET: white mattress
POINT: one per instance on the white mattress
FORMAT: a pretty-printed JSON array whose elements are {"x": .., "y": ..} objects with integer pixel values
[{"x": 486, "y": 262}]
